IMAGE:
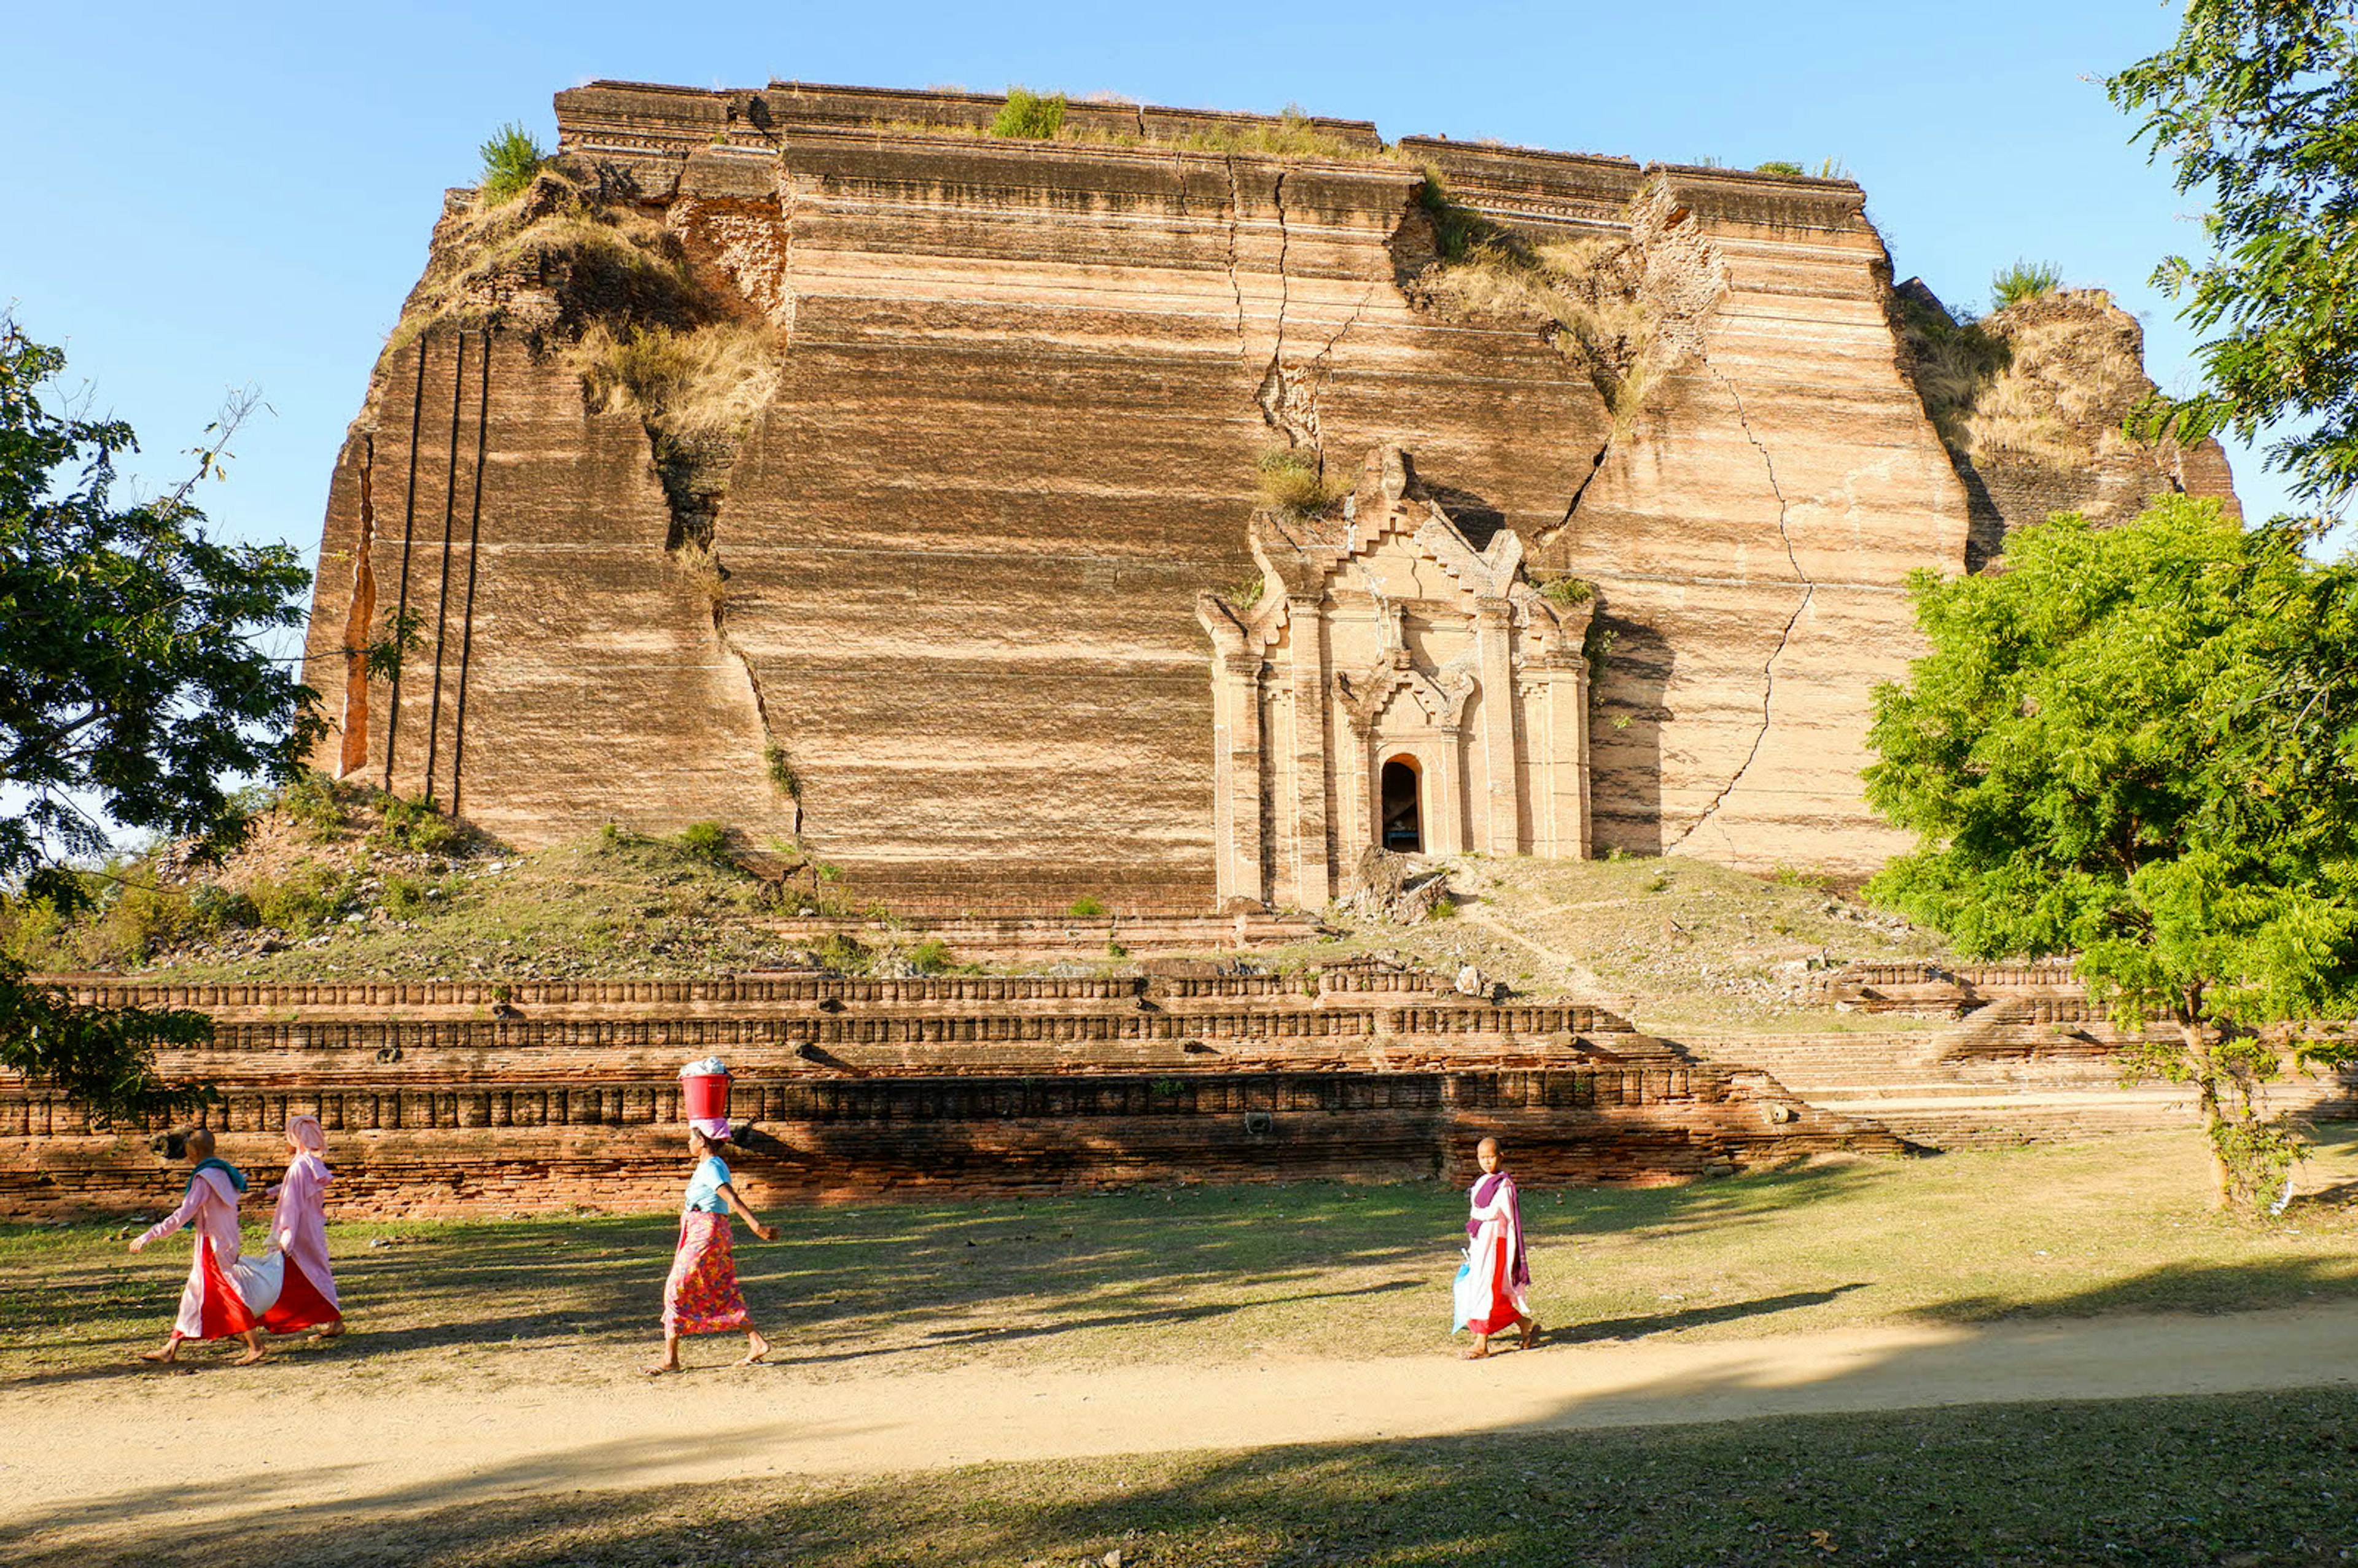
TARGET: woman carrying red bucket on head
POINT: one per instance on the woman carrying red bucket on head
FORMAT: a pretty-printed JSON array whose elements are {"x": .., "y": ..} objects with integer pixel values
[{"x": 701, "y": 1296}]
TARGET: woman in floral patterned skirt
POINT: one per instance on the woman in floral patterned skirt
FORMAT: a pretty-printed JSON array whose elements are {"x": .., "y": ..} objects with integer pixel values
[{"x": 701, "y": 1296}]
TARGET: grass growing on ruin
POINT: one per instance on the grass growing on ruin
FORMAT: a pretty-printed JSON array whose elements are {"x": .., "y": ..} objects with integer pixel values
[
  {"x": 344, "y": 883},
  {"x": 340, "y": 882},
  {"x": 1679, "y": 946},
  {"x": 684, "y": 385},
  {"x": 599, "y": 259},
  {"x": 2231, "y": 1479},
  {"x": 1196, "y": 1275}
]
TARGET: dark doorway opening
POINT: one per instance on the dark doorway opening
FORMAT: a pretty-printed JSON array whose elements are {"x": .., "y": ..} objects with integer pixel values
[{"x": 1403, "y": 822}]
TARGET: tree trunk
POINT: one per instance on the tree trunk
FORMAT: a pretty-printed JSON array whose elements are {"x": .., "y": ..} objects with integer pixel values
[{"x": 2204, "y": 1065}]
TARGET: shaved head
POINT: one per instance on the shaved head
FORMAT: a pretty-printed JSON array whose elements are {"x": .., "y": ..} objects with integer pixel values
[{"x": 201, "y": 1142}]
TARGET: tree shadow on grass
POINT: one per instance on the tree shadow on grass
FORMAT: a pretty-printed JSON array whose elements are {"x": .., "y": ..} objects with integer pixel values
[{"x": 2152, "y": 1480}]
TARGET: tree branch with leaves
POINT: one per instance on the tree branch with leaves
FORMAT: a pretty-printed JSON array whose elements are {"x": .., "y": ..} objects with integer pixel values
[
  {"x": 135, "y": 692},
  {"x": 2139, "y": 746}
]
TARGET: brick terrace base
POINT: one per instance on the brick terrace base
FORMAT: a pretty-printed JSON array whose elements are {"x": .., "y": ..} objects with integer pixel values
[{"x": 453, "y": 1100}]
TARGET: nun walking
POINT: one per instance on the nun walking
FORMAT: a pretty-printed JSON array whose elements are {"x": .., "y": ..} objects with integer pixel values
[{"x": 299, "y": 1228}]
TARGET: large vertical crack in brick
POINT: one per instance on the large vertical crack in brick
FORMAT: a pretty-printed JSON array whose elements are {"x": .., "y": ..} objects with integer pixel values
[
  {"x": 1785, "y": 635},
  {"x": 1236, "y": 281},
  {"x": 352, "y": 754}
]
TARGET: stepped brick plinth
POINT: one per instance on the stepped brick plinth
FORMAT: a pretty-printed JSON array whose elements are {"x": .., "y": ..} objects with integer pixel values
[{"x": 443, "y": 1098}]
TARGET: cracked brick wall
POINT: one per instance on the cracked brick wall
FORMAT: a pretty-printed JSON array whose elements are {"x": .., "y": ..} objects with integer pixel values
[{"x": 1024, "y": 388}]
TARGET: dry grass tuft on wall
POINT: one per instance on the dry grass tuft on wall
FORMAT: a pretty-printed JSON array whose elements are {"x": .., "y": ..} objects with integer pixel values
[
  {"x": 1297, "y": 480},
  {"x": 1623, "y": 306},
  {"x": 686, "y": 385},
  {"x": 555, "y": 242}
]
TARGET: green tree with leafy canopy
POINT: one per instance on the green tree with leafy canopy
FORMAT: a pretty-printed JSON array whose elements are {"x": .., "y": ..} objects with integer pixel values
[
  {"x": 133, "y": 692},
  {"x": 2111, "y": 751},
  {"x": 2255, "y": 102}
]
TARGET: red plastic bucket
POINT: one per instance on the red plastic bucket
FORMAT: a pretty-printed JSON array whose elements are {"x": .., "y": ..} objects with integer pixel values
[{"x": 707, "y": 1095}]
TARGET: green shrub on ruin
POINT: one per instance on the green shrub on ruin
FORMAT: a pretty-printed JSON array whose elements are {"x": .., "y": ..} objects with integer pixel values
[
  {"x": 931, "y": 957},
  {"x": 839, "y": 954},
  {"x": 1784, "y": 167},
  {"x": 217, "y": 908},
  {"x": 1568, "y": 591},
  {"x": 1087, "y": 907},
  {"x": 510, "y": 157},
  {"x": 417, "y": 826},
  {"x": 1295, "y": 480},
  {"x": 314, "y": 802},
  {"x": 2024, "y": 280},
  {"x": 708, "y": 842},
  {"x": 306, "y": 901},
  {"x": 1030, "y": 116}
]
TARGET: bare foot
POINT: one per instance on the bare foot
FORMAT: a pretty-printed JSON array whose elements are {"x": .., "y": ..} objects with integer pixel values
[
  {"x": 657, "y": 1369},
  {"x": 1480, "y": 1352},
  {"x": 760, "y": 1348},
  {"x": 162, "y": 1357},
  {"x": 249, "y": 1359},
  {"x": 1531, "y": 1335},
  {"x": 330, "y": 1331}
]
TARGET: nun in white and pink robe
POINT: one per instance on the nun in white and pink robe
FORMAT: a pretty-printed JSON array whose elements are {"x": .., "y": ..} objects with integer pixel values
[
  {"x": 307, "y": 1297},
  {"x": 1493, "y": 1287},
  {"x": 226, "y": 1294}
]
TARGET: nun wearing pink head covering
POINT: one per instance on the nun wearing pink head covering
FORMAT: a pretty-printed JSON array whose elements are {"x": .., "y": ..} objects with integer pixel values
[{"x": 307, "y": 1300}]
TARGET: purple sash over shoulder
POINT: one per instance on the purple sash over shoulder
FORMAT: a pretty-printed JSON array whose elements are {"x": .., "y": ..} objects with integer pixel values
[{"x": 1486, "y": 1192}]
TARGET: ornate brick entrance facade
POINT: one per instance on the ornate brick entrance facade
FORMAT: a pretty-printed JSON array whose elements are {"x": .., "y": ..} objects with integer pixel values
[{"x": 1384, "y": 636}]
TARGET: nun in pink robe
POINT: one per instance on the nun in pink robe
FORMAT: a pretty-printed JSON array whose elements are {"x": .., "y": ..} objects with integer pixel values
[
  {"x": 307, "y": 1297},
  {"x": 225, "y": 1296}
]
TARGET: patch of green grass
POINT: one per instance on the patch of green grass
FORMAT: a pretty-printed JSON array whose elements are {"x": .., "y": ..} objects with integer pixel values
[
  {"x": 1086, "y": 907},
  {"x": 1784, "y": 167},
  {"x": 418, "y": 825},
  {"x": 708, "y": 842}
]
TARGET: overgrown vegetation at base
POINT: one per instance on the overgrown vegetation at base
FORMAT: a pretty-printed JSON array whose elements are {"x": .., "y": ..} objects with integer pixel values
[{"x": 510, "y": 157}]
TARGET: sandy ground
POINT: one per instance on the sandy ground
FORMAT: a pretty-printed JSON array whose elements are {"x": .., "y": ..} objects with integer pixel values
[{"x": 213, "y": 1445}]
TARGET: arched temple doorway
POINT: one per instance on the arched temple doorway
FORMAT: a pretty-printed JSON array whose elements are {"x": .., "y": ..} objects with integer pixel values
[{"x": 1403, "y": 829}]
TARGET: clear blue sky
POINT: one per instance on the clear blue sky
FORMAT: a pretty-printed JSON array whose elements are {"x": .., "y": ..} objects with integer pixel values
[{"x": 198, "y": 198}]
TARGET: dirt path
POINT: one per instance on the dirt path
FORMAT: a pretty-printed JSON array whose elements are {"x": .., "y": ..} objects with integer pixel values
[{"x": 221, "y": 1445}]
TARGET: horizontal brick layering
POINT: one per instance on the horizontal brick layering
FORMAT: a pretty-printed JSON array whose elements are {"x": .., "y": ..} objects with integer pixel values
[
  {"x": 464, "y": 1098},
  {"x": 1022, "y": 389}
]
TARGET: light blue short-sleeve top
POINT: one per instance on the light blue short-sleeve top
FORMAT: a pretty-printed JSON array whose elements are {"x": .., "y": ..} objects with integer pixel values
[{"x": 704, "y": 1187}]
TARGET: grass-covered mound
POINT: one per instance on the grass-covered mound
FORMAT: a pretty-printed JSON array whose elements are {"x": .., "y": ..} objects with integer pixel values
[
  {"x": 338, "y": 882},
  {"x": 341, "y": 882}
]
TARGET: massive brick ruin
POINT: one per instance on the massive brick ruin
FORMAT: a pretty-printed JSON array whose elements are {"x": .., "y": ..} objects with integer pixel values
[{"x": 971, "y": 590}]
